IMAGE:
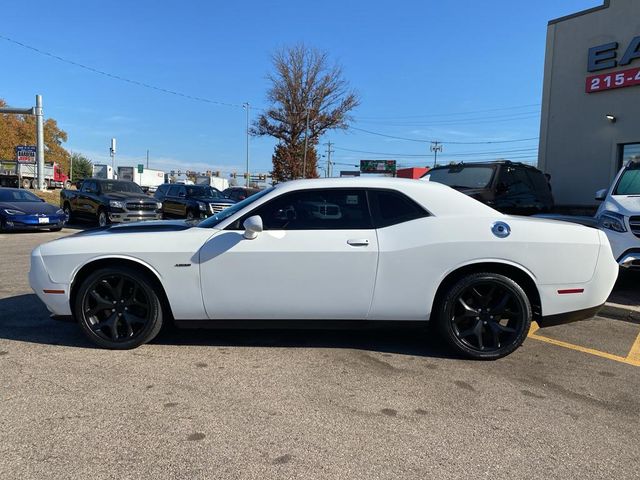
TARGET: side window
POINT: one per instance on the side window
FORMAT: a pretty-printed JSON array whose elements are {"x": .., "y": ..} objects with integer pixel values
[
  {"x": 89, "y": 187},
  {"x": 515, "y": 181},
  {"x": 172, "y": 192},
  {"x": 182, "y": 191},
  {"x": 330, "y": 209},
  {"x": 390, "y": 208},
  {"x": 160, "y": 192}
]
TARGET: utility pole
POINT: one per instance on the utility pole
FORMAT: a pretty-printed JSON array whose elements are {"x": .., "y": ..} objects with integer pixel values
[
  {"x": 306, "y": 143},
  {"x": 40, "y": 141},
  {"x": 147, "y": 159},
  {"x": 112, "y": 152},
  {"x": 246, "y": 106},
  {"x": 329, "y": 152},
  {"x": 71, "y": 168},
  {"x": 435, "y": 148}
]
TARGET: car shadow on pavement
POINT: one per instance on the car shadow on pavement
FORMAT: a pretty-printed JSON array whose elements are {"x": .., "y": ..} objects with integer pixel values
[{"x": 24, "y": 318}]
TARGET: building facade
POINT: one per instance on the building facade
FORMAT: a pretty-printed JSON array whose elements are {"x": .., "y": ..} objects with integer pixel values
[{"x": 591, "y": 100}]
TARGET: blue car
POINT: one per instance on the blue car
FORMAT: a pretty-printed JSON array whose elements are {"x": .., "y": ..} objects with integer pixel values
[{"x": 22, "y": 210}]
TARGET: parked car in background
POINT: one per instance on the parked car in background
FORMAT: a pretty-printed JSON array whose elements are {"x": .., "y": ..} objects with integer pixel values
[
  {"x": 22, "y": 210},
  {"x": 374, "y": 249},
  {"x": 619, "y": 215},
  {"x": 190, "y": 201},
  {"x": 109, "y": 201},
  {"x": 238, "y": 194},
  {"x": 509, "y": 187}
]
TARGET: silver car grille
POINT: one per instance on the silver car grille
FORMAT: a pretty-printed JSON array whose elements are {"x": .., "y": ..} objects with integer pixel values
[
  {"x": 218, "y": 207},
  {"x": 634, "y": 223}
]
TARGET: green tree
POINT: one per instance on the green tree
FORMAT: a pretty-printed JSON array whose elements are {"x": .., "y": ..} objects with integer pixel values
[
  {"x": 305, "y": 90},
  {"x": 21, "y": 130},
  {"x": 82, "y": 167}
]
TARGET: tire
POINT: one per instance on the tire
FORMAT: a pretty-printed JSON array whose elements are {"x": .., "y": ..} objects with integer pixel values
[
  {"x": 102, "y": 218},
  {"x": 484, "y": 316},
  {"x": 118, "y": 308},
  {"x": 57, "y": 229},
  {"x": 34, "y": 184},
  {"x": 190, "y": 215},
  {"x": 67, "y": 185},
  {"x": 68, "y": 213},
  {"x": 26, "y": 183}
]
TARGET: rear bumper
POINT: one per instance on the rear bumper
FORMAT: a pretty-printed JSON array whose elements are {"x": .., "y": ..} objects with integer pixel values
[{"x": 569, "y": 317}]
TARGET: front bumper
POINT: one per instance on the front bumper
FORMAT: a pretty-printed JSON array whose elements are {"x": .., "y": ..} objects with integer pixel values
[
  {"x": 55, "y": 296},
  {"x": 127, "y": 217},
  {"x": 630, "y": 259},
  {"x": 34, "y": 222}
]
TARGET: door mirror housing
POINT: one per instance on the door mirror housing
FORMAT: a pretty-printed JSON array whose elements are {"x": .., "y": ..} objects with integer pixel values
[
  {"x": 252, "y": 227},
  {"x": 601, "y": 195}
]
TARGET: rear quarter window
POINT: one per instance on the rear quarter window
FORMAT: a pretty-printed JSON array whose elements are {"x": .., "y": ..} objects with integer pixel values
[{"x": 389, "y": 207}]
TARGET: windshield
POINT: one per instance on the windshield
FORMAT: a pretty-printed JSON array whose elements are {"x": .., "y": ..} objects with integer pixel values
[
  {"x": 202, "y": 191},
  {"x": 214, "y": 220},
  {"x": 17, "y": 196},
  {"x": 462, "y": 176},
  {"x": 629, "y": 183},
  {"x": 115, "y": 186}
]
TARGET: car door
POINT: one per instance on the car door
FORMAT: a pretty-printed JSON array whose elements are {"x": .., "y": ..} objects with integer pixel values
[
  {"x": 83, "y": 206},
  {"x": 315, "y": 259},
  {"x": 169, "y": 205}
]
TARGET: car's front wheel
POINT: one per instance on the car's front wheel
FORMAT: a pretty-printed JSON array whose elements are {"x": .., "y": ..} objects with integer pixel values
[
  {"x": 485, "y": 316},
  {"x": 103, "y": 219},
  {"x": 118, "y": 308}
]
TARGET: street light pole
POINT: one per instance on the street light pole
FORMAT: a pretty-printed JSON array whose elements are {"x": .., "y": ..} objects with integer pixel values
[{"x": 246, "y": 106}]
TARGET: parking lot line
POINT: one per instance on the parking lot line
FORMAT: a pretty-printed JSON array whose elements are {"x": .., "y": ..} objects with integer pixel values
[{"x": 633, "y": 358}]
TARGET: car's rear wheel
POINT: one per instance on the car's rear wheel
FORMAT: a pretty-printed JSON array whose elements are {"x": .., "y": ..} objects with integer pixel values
[
  {"x": 485, "y": 316},
  {"x": 118, "y": 308}
]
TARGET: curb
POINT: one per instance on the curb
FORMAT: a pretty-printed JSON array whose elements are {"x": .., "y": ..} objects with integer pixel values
[{"x": 620, "y": 312}]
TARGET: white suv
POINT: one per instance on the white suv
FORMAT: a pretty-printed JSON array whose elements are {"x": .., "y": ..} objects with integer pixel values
[{"x": 619, "y": 215}]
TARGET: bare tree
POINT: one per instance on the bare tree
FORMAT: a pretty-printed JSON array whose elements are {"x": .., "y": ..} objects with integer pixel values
[{"x": 307, "y": 95}]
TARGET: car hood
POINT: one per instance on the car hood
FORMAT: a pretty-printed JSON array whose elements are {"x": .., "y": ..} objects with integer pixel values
[
  {"x": 153, "y": 226},
  {"x": 624, "y": 204},
  {"x": 127, "y": 196},
  {"x": 31, "y": 208},
  {"x": 214, "y": 200}
]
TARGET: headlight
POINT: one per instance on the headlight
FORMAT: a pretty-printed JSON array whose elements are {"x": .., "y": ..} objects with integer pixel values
[
  {"x": 612, "y": 221},
  {"x": 202, "y": 206},
  {"x": 116, "y": 204},
  {"x": 9, "y": 211},
  {"x": 159, "y": 205}
]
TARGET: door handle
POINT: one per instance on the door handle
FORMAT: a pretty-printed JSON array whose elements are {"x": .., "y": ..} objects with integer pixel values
[{"x": 363, "y": 242}]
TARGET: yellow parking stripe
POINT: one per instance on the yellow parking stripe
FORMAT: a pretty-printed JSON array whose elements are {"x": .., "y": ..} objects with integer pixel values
[
  {"x": 632, "y": 359},
  {"x": 634, "y": 355}
]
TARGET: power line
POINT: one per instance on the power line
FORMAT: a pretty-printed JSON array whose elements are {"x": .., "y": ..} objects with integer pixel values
[
  {"x": 418, "y": 155},
  {"x": 516, "y": 107},
  {"x": 450, "y": 143},
  {"x": 119, "y": 77},
  {"x": 463, "y": 121}
]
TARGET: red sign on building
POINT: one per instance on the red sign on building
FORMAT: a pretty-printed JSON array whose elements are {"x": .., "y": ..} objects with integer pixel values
[{"x": 609, "y": 81}]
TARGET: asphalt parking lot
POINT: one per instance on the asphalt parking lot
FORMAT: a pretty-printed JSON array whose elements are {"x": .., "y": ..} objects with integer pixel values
[{"x": 303, "y": 404}]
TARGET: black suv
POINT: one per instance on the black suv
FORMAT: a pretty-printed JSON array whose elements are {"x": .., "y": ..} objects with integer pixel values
[
  {"x": 239, "y": 193},
  {"x": 190, "y": 201},
  {"x": 509, "y": 187}
]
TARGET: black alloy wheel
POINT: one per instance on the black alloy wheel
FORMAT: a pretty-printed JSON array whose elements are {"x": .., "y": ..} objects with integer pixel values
[
  {"x": 485, "y": 316},
  {"x": 190, "y": 215},
  {"x": 118, "y": 308},
  {"x": 67, "y": 213}
]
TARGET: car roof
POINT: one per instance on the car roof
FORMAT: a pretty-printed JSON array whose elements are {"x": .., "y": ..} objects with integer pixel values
[
  {"x": 437, "y": 198},
  {"x": 486, "y": 164}
]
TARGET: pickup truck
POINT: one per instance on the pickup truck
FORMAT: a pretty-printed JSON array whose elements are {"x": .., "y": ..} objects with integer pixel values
[
  {"x": 109, "y": 201},
  {"x": 619, "y": 215}
]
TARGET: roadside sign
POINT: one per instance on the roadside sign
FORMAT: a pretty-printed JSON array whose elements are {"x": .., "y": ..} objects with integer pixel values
[
  {"x": 26, "y": 154},
  {"x": 140, "y": 168},
  {"x": 378, "y": 166}
]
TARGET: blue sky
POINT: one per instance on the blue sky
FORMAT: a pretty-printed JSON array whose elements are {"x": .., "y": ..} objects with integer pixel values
[{"x": 453, "y": 71}]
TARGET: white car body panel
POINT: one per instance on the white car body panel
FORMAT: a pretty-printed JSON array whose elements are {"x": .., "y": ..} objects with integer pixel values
[
  {"x": 212, "y": 273},
  {"x": 627, "y": 206}
]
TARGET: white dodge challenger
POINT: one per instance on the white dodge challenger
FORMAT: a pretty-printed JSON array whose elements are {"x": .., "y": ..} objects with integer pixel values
[{"x": 376, "y": 249}]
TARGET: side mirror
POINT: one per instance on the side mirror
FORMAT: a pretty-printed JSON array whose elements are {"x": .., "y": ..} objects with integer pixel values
[
  {"x": 601, "y": 195},
  {"x": 252, "y": 227}
]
